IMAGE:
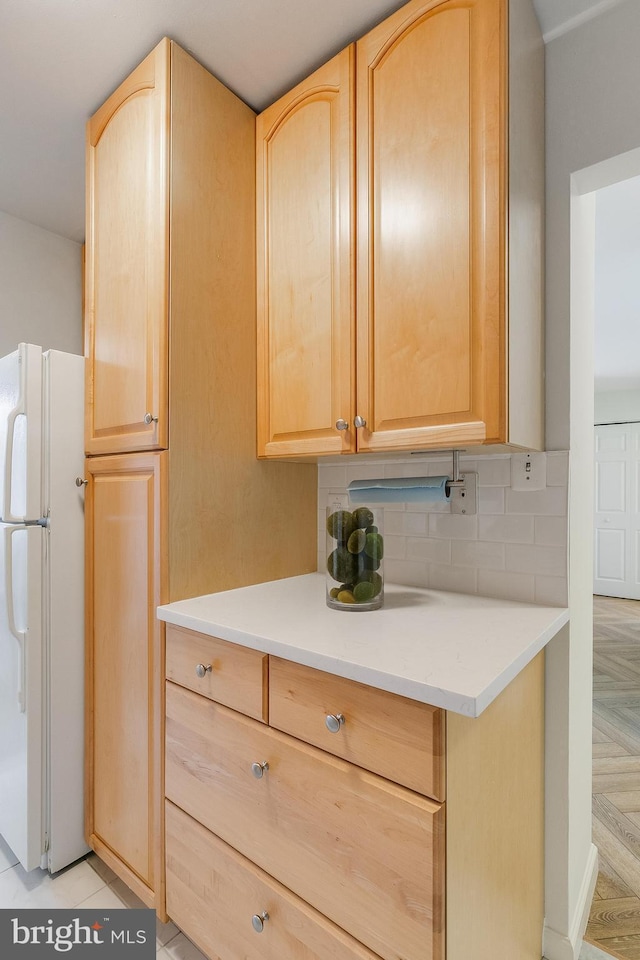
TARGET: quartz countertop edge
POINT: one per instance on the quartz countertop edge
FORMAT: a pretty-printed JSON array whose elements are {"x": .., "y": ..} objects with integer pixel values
[{"x": 451, "y": 650}]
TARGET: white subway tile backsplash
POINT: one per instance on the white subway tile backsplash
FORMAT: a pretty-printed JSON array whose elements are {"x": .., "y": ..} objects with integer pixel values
[
  {"x": 453, "y": 526},
  {"x": 331, "y": 476},
  {"x": 478, "y": 553},
  {"x": 395, "y": 548},
  {"x": 557, "y": 469},
  {"x": 552, "y": 591},
  {"x": 425, "y": 548},
  {"x": 413, "y": 573},
  {"x": 544, "y": 503},
  {"x": 514, "y": 548},
  {"x": 530, "y": 558},
  {"x": 495, "y": 472},
  {"x": 507, "y": 585},
  {"x": 491, "y": 500},
  {"x": 505, "y": 529},
  {"x": 458, "y": 579},
  {"x": 551, "y": 531}
]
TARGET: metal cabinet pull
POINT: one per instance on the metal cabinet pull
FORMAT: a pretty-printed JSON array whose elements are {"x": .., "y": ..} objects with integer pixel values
[
  {"x": 201, "y": 670},
  {"x": 149, "y": 418},
  {"x": 81, "y": 482},
  {"x": 359, "y": 422},
  {"x": 258, "y": 921},
  {"x": 342, "y": 424},
  {"x": 334, "y": 721},
  {"x": 259, "y": 769}
]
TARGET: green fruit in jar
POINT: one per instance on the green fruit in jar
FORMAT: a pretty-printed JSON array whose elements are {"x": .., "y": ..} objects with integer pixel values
[
  {"x": 333, "y": 593},
  {"x": 340, "y": 525},
  {"x": 342, "y": 565},
  {"x": 370, "y": 576},
  {"x": 374, "y": 546},
  {"x": 345, "y": 596},
  {"x": 371, "y": 529},
  {"x": 370, "y": 563},
  {"x": 362, "y": 516},
  {"x": 364, "y": 591},
  {"x": 356, "y": 542}
]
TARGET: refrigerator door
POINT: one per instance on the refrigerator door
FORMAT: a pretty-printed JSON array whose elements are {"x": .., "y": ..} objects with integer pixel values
[
  {"x": 21, "y": 677},
  {"x": 64, "y": 578},
  {"x": 21, "y": 496}
]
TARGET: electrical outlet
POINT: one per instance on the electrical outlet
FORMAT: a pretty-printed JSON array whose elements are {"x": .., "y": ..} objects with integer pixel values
[{"x": 528, "y": 471}]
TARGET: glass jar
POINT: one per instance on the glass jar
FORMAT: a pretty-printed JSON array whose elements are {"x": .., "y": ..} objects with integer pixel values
[{"x": 354, "y": 554}]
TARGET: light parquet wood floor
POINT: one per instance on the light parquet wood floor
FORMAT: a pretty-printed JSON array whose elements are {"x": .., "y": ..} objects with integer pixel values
[{"x": 614, "y": 921}]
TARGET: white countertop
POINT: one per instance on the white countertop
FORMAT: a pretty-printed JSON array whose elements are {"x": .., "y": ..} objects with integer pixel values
[{"x": 451, "y": 650}]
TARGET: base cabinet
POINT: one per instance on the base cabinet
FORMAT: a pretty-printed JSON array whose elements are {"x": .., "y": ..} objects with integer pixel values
[{"x": 326, "y": 859}]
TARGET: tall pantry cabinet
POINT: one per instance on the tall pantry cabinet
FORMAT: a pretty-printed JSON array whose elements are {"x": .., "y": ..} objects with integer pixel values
[{"x": 176, "y": 503}]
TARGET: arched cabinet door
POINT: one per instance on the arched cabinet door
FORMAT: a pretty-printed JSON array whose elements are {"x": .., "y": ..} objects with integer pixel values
[
  {"x": 431, "y": 92},
  {"x": 305, "y": 170},
  {"x": 127, "y": 263}
]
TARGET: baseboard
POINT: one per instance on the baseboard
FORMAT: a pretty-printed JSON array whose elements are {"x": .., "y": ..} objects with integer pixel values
[{"x": 566, "y": 946}]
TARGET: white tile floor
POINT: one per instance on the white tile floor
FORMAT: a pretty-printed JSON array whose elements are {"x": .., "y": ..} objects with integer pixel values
[{"x": 88, "y": 883}]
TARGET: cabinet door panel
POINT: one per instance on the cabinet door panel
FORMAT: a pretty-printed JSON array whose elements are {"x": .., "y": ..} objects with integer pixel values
[
  {"x": 126, "y": 266},
  {"x": 305, "y": 277},
  {"x": 124, "y": 586},
  {"x": 319, "y": 825},
  {"x": 430, "y": 234}
]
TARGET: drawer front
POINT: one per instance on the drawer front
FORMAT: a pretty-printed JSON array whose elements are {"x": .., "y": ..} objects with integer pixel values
[
  {"x": 398, "y": 738},
  {"x": 213, "y": 893},
  {"x": 316, "y": 823},
  {"x": 238, "y": 676}
]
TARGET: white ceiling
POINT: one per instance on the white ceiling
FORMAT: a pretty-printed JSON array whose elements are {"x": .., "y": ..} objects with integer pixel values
[{"x": 60, "y": 59}]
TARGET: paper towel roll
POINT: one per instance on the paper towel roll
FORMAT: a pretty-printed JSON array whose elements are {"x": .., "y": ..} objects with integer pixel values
[{"x": 400, "y": 490}]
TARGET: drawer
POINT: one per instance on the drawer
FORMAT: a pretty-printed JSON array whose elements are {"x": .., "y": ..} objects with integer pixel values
[
  {"x": 398, "y": 738},
  {"x": 238, "y": 676},
  {"x": 365, "y": 852},
  {"x": 213, "y": 893}
]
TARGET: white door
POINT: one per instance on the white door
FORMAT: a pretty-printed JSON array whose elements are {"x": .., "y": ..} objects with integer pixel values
[
  {"x": 617, "y": 511},
  {"x": 21, "y": 677}
]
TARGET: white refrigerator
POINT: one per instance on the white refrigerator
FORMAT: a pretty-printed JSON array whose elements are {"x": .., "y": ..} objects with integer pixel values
[{"x": 41, "y": 606}]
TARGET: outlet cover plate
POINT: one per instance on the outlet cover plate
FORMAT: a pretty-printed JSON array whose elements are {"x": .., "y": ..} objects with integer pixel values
[{"x": 528, "y": 471}]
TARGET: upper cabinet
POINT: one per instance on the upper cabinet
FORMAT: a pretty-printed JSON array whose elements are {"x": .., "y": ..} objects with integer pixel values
[
  {"x": 127, "y": 263},
  {"x": 448, "y": 242},
  {"x": 306, "y": 304}
]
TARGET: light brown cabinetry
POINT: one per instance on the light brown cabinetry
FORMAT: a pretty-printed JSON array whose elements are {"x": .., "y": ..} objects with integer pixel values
[
  {"x": 170, "y": 332},
  {"x": 449, "y": 193},
  {"x": 359, "y": 852}
]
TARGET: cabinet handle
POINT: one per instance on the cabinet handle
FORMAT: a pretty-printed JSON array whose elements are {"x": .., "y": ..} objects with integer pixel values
[
  {"x": 259, "y": 769},
  {"x": 342, "y": 424},
  {"x": 258, "y": 921},
  {"x": 149, "y": 418},
  {"x": 201, "y": 670},
  {"x": 334, "y": 721},
  {"x": 359, "y": 422},
  {"x": 80, "y": 482}
]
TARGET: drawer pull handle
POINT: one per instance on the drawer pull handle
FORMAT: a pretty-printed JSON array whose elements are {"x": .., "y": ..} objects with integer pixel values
[
  {"x": 334, "y": 721},
  {"x": 258, "y": 921},
  {"x": 201, "y": 670},
  {"x": 259, "y": 769}
]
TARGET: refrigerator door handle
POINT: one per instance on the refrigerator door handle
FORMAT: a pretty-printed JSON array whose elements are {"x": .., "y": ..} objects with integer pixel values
[
  {"x": 20, "y": 635},
  {"x": 8, "y": 462}
]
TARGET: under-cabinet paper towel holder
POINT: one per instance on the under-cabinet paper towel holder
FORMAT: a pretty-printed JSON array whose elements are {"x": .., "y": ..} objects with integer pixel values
[{"x": 463, "y": 489}]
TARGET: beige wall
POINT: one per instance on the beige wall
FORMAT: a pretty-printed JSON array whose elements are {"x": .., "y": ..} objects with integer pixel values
[
  {"x": 592, "y": 84},
  {"x": 40, "y": 288}
]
